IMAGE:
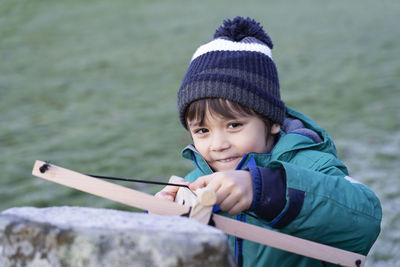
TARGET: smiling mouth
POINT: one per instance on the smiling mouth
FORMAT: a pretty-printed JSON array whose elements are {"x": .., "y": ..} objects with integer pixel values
[{"x": 227, "y": 160}]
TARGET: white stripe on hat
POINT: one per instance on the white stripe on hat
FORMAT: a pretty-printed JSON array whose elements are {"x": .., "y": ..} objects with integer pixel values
[{"x": 226, "y": 45}]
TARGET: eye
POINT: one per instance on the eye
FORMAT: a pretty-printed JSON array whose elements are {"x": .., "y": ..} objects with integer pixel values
[
  {"x": 200, "y": 131},
  {"x": 234, "y": 125}
]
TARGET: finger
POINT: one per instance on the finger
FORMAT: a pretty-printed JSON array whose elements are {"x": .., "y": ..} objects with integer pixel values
[
  {"x": 229, "y": 205},
  {"x": 233, "y": 206},
  {"x": 236, "y": 209},
  {"x": 222, "y": 194},
  {"x": 201, "y": 182},
  {"x": 234, "y": 203},
  {"x": 165, "y": 195},
  {"x": 173, "y": 189},
  {"x": 177, "y": 180},
  {"x": 170, "y": 189}
]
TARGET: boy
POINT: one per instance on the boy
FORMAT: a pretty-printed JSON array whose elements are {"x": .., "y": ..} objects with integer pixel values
[{"x": 263, "y": 159}]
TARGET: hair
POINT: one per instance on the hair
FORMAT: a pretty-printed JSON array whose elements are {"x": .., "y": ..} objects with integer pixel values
[{"x": 225, "y": 108}]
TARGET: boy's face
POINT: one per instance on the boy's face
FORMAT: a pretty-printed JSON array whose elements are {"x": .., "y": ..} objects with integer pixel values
[{"x": 223, "y": 142}]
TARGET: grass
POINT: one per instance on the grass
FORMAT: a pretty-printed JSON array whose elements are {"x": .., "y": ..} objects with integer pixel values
[{"x": 91, "y": 86}]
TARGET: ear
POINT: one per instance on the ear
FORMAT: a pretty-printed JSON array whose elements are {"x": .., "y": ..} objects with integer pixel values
[{"x": 275, "y": 128}]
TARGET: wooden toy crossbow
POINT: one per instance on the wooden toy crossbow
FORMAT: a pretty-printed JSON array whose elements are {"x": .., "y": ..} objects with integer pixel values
[{"x": 198, "y": 206}]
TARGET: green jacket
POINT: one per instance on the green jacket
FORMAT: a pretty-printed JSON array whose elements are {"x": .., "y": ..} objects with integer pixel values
[{"x": 329, "y": 206}]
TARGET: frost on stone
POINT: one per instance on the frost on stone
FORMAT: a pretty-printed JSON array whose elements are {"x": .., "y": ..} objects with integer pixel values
[
  {"x": 77, "y": 236},
  {"x": 82, "y": 217}
]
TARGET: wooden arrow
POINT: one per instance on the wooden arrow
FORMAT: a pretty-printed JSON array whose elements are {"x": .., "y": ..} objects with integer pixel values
[{"x": 232, "y": 227}]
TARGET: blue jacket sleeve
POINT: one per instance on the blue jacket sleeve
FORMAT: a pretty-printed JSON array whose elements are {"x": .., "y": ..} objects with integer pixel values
[
  {"x": 269, "y": 200},
  {"x": 269, "y": 187}
]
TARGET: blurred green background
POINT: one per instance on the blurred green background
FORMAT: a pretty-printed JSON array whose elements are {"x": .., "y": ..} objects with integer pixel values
[{"x": 91, "y": 86}]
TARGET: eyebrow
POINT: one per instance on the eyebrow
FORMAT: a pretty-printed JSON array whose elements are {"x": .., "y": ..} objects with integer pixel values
[{"x": 194, "y": 124}]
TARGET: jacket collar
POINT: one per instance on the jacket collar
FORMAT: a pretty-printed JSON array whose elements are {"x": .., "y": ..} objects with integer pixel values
[{"x": 295, "y": 140}]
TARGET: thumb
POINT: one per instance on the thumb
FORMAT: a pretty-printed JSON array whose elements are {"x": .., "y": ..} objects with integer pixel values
[{"x": 201, "y": 182}]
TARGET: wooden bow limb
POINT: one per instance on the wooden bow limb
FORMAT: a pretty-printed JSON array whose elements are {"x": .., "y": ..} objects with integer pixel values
[
  {"x": 232, "y": 227},
  {"x": 108, "y": 190}
]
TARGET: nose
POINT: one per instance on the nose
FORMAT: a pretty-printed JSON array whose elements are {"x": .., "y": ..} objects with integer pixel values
[{"x": 219, "y": 141}]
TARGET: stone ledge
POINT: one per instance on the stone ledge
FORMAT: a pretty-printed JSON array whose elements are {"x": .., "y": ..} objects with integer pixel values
[{"x": 78, "y": 236}]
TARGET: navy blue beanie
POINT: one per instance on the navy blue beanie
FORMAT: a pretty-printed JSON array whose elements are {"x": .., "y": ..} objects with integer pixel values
[{"x": 236, "y": 65}]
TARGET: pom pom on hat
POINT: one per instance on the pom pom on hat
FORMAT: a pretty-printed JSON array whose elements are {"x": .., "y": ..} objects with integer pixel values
[{"x": 240, "y": 28}]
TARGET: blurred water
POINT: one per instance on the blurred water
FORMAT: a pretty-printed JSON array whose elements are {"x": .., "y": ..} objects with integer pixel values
[{"x": 368, "y": 162}]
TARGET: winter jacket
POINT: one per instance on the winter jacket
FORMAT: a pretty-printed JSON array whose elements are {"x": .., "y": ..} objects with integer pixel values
[{"x": 301, "y": 188}]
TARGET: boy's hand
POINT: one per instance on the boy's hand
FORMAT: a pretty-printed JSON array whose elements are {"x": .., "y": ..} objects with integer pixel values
[
  {"x": 169, "y": 192},
  {"x": 234, "y": 189}
]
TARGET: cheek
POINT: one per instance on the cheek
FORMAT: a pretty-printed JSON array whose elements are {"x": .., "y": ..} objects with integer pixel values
[
  {"x": 201, "y": 146},
  {"x": 255, "y": 142},
  {"x": 258, "y": 146}
]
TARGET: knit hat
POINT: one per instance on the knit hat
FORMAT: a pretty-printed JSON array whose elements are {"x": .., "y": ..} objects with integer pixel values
[{"x": 236, "y": 65}]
